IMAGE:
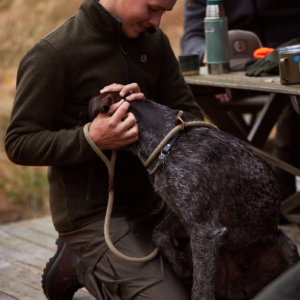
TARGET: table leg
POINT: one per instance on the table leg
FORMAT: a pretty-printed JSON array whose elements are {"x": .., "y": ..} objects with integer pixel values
[
  {"x": 277, "y": 162},
  {"x": 290, "y": 208},
  {"x": 296, "y": 103},
  {"x": 266, "y": 120},
  {"x": 290, "y": 203},
  {"x": 218, "y": 115}
]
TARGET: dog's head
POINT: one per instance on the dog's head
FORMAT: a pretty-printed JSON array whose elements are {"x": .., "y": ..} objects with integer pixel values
[
  {"x": 241, "y": 274},
  {"x": 100, "y": 103},
  {"x": 154, "y": 120}
]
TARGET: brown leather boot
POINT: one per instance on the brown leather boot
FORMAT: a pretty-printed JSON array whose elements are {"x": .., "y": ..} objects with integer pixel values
[{"x": 59, "y": 279}]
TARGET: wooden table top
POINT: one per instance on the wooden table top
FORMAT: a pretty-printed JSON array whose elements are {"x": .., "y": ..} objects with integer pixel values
[{"x": 238, "y": 80}]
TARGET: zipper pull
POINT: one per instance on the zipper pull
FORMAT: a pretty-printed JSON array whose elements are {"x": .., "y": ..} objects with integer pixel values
[{"x": 123, "y": 51}]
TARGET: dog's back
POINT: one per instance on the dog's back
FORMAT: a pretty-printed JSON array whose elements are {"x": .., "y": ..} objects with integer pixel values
[
  {"x": 226, "y": 197},
  {"x": 228, "y": 200},
  {"x": 211, "y": 177},
  {"x": 225, "y": 184}
]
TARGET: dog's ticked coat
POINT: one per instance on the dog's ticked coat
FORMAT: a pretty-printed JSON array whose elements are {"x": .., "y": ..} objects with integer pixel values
[{"x": 225, "y": 197}]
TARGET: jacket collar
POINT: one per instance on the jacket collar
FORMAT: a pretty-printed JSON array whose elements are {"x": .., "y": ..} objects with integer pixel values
[{"x": 99, "y": 18}]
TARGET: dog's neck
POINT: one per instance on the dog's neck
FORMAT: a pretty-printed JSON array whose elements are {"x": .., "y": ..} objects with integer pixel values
[{"x": 154, "y": 121}]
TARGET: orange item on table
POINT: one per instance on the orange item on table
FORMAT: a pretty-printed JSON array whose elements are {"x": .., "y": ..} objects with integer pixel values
[{"x": 262, "y": 52}]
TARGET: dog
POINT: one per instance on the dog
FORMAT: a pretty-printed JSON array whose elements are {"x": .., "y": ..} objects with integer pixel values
[{"x": 223, "y": 195}]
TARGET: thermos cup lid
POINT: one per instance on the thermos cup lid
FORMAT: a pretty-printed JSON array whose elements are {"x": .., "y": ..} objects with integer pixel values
[{"x": 211, "y": 2}]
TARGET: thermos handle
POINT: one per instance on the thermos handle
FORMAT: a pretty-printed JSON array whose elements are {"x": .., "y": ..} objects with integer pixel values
[{"x": 283, "y": 70}]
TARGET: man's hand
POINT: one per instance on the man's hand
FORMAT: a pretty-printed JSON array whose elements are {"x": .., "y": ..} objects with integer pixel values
[
  {"x": 115, "y": 129},
  {"x": 133, "y": 89},
  {"x": 222, "y": 97}
]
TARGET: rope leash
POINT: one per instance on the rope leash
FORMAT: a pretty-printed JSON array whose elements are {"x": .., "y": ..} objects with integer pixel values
[
  {"x": 171, "y": 134},
  {"x": 111, "y": 165}
]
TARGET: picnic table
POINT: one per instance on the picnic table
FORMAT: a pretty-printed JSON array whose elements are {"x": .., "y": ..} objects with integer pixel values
[
  {"x": 25, "y": 248},
  {"x": 261, "y": 98}
]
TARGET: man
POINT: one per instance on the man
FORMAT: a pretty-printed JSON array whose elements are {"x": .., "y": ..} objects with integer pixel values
[
  {"x": 275, "y": 22},
  {"x": 106, "y": 42}
]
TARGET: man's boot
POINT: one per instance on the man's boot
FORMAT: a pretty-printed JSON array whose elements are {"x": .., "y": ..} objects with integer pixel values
[{"x": 59, "y": 279}]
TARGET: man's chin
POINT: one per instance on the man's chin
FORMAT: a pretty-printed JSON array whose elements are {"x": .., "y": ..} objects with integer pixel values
[{"x": 132, "y": 34}]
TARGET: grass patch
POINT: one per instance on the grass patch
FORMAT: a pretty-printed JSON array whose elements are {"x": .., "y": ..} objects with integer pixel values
[{"x": 21, "y": 187}]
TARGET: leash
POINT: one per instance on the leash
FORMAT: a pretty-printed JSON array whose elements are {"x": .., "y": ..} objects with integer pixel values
[
  {"x": 111, "y": 165},
  {"x": 164, "y": 150}
]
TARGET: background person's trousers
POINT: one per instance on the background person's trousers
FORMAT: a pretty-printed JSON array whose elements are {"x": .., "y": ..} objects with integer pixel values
[
  {"x": 107, "y": 277},
  {"x": 287, "y": 147}
]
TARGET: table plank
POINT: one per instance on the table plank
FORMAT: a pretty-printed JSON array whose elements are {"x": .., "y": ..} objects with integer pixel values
[{"x": 238, "y": 80}]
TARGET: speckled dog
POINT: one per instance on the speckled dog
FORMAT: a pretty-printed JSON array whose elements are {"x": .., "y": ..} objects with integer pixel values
[{"x": 224, "y": 196}]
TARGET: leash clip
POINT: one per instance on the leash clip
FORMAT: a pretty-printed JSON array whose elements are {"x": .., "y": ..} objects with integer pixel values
[
  {"x": 162, "y": 156},
  {"x": 161, "y": 159}
]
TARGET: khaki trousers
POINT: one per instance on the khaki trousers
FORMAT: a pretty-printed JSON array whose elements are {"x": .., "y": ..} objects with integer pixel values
[{"x": 108, "y": 277}]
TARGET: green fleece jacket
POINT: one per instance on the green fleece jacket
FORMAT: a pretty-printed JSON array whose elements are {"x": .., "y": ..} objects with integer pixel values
[{"x": 56, "y": 79}]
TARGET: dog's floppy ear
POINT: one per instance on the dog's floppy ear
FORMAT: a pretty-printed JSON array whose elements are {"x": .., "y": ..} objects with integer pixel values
[{"x": 94, "y": 108}]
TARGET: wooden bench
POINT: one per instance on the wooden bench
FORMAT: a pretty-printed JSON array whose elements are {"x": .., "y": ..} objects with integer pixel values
[{"x": 25, "y": 247}]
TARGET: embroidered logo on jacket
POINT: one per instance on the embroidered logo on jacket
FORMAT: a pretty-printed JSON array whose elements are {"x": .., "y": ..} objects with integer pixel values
[{"x": 144, "y": 58}]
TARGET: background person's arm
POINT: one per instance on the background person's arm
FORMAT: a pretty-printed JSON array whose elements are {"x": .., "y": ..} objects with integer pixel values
[
  {"x": 171, "y": 89},
  {"x": 193, "y": 40}
]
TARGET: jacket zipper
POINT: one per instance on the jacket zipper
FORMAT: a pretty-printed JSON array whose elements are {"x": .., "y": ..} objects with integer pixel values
[{"x": 123, "y": 55}]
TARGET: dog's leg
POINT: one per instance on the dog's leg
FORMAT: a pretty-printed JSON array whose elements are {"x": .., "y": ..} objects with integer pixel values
[
  {"x": 171, "y": 238},
  {"x": 205, "y": 244}
]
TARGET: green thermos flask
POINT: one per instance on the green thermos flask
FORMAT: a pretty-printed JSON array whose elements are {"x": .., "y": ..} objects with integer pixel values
[{"x": 216, "y": 38}]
